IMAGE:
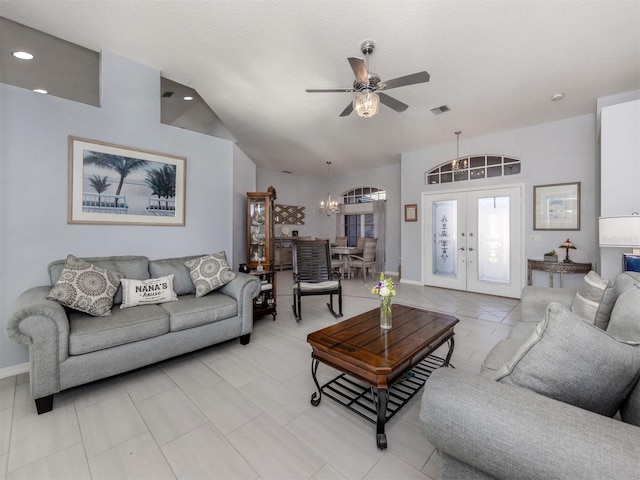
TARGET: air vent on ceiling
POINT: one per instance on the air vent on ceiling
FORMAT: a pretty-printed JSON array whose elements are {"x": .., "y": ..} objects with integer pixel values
[
  {"x": 440, "y": 109},
  {"x": 167, "y": 94}
]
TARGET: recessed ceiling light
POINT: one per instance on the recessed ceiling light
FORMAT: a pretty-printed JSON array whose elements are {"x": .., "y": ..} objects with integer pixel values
[
  {"x": 557, "y": 96},
  {"x": 40, "y": 90},
  {"x": 187, "y": 98},
  {"x": 23, "y": 55}
]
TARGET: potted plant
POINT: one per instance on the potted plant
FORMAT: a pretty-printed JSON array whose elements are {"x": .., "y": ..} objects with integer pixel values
[{"x": 551, "y": 256}]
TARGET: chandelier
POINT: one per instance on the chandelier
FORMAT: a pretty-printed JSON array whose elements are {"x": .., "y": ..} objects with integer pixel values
[
  {"x": 459, "y": 163},
  {"x": 329, "y": 206},
  {"x": 366, "y": 104}
]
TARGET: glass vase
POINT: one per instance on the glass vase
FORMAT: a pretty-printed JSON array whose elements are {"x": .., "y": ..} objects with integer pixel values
[{"x": 385, "y": 313}]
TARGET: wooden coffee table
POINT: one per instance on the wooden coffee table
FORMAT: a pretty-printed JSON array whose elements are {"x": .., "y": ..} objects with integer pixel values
[{"x": 382, "y": 369}]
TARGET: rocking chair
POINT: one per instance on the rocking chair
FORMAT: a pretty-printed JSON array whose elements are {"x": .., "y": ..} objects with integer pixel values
[{"x": 312, "y": 275}]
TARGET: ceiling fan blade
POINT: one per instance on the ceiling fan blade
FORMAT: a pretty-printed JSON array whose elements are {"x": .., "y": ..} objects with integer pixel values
[
  {"x": 392, "y": 103},
  {"x": 347, "y": 111},
  {"x": 329, "y": 90},
  {"x": 420, "y": 77},
  {"x": 359, "y": 69}
]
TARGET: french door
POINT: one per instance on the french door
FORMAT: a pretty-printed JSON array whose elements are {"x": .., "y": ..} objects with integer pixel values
[{"x": 473, "y": 241}]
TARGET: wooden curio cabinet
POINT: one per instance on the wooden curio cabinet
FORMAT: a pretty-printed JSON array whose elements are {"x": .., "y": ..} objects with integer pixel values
[{"x": 260, "y": 247}]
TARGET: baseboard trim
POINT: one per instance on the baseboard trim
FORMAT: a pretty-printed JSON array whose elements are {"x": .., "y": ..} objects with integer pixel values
[
  {"x": 14, "y": 370},
  {"x": 411, "y": 282}
]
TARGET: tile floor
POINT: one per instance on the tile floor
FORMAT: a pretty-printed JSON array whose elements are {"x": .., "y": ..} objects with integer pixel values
[{"x": 237, "y": 412}]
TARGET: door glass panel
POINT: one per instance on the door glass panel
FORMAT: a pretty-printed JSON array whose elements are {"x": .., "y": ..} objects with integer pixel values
[
  {"x": 493, "y": 239},
  {"x": 445, "y": 233}
]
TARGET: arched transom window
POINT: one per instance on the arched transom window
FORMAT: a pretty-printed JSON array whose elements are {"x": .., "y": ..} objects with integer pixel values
[
  {"x": 363, "y": 195},
  {"x": 473, "y": 168}
]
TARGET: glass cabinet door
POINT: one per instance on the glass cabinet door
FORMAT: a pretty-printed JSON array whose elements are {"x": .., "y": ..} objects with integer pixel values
[{"x": 259, "y": 229}]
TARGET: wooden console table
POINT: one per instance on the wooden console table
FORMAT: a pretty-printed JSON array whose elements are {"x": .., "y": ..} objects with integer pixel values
[{"x": 556, "y": 267}]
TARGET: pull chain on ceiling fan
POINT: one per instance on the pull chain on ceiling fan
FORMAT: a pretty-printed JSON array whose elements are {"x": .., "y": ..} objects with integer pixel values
[{"x": 368, "y": 86}]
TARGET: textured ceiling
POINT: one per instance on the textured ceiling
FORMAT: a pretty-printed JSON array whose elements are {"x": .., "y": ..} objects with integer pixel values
[{"x": 494, "y": 63}]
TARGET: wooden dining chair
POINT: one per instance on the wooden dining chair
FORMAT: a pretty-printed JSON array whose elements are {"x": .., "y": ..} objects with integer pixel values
[
  {"x": 312, "y": 275},
  {"x": 365, "y": 261}
]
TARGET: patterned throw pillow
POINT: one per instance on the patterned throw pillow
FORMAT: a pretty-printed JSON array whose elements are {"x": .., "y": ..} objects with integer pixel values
[
  {"x": 147, "y": 292},
  {"x": 588, "y": 300},
  {"x": 209, "y": 272},
  {"x": 85, "y": 287}
]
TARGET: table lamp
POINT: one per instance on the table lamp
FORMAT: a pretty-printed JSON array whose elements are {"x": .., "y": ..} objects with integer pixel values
[
  {"x": 568, "y": 245},
  {"x": 622, "y": 231}
]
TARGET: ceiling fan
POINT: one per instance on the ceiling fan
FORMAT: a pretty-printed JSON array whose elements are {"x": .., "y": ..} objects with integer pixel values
[{"x": 369, "y": 86}]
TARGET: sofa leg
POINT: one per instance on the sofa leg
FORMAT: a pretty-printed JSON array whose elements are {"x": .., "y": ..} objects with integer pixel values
[
  {"x": 44, "y": 404},
  {"x": 244, "y": 339}
]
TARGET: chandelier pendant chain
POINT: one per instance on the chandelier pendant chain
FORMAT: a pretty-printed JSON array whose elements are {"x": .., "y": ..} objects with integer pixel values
[{"x": 458, "y": 164}]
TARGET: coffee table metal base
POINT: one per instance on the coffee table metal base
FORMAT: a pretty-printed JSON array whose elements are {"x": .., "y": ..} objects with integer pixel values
[{"x": 378, "y": 406}]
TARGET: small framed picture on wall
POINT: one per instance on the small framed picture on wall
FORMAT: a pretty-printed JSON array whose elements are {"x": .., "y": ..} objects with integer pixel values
[{"x": 411, "y": 212}]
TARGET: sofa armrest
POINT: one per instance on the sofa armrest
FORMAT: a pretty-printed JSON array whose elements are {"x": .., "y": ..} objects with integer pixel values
[
  {"x": 535, "y": 300},
  {"x": 244, "y": 288},
  {"x": 43, "y": 325},
  {"x": 512, "y": 432}
]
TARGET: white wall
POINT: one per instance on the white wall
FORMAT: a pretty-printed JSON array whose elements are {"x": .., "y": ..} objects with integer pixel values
[
  {"x": 557, "y": 152},
  {"x": 244, "y": 180},
  {"x": 33, "y": 183},
  {"x": 620, "y": 172},
  {"x": 308, "y": 192}
]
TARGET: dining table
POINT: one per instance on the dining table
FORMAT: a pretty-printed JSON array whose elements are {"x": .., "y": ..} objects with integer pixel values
[{"x": 344, "y": 252}]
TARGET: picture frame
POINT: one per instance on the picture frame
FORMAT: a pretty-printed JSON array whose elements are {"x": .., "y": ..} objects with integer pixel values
[
  {"x": 411, "y": 212},
  {"x": 115, "y": 185},
  {"x": 556, "y": 206}
]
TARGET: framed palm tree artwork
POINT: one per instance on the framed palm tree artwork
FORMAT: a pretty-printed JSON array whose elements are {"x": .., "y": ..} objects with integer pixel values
[{"x": 111, "y": 184}]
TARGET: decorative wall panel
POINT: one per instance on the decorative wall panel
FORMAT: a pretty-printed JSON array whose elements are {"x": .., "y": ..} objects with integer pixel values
[{"x": 289, "y": 215}]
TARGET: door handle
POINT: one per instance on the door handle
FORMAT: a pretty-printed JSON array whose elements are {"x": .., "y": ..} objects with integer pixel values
[
  {"x": 471, "y": 249},
  {"x": 461, "y": 248}
]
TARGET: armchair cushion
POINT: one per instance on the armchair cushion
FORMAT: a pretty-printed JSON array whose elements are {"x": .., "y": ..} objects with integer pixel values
[
  {"x": 85, "y": 287},
  {"x": 592, "y": 302},
  {"x": 209, "y": 272},
  {"x": 572, "y": 361}
]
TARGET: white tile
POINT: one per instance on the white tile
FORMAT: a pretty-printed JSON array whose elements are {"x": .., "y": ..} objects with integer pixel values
[
  {"x": 169, "y": 415},
  {"x": 108, "y": 423},
  {"x": 7, "y": 392},
  {"x": 391, "y": 467},
  {"x": 205, "y": 453},
  {"x": 34, "y": 437},
  {"x": 264, "y": 444},
  {"x": 69, "y": 463},
  {"x": 328, "y": 473},
  {"x": 6, "y": 415},
  {"x": 407, "y": 442},
  {"x": 147, "y": 382},
  {"x": 136, "y": 459},
  {"x": 278, "y": 401},
  {"x": 96, "y": 392},
  {"x": 190, "y": 374},
  {"x": 235, "y": 369},
  {"x": 348, "y": 451},
  {"x": 226, "y": 407}
]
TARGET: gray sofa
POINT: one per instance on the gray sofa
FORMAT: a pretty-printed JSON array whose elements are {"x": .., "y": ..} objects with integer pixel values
[
  {"x": 69, "y": 348},
  {"x": 483, "y": 428}
]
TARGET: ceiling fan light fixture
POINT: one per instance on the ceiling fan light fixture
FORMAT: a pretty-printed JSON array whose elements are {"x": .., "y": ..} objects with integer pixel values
[{"x": 366, "y": 104}]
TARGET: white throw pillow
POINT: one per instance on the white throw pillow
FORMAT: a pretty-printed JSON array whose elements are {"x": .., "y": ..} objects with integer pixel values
[
  {"x": 209, "y": 272},
  {"x": 589, "y": 298},
  {"x": 147, "y": 292}
]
